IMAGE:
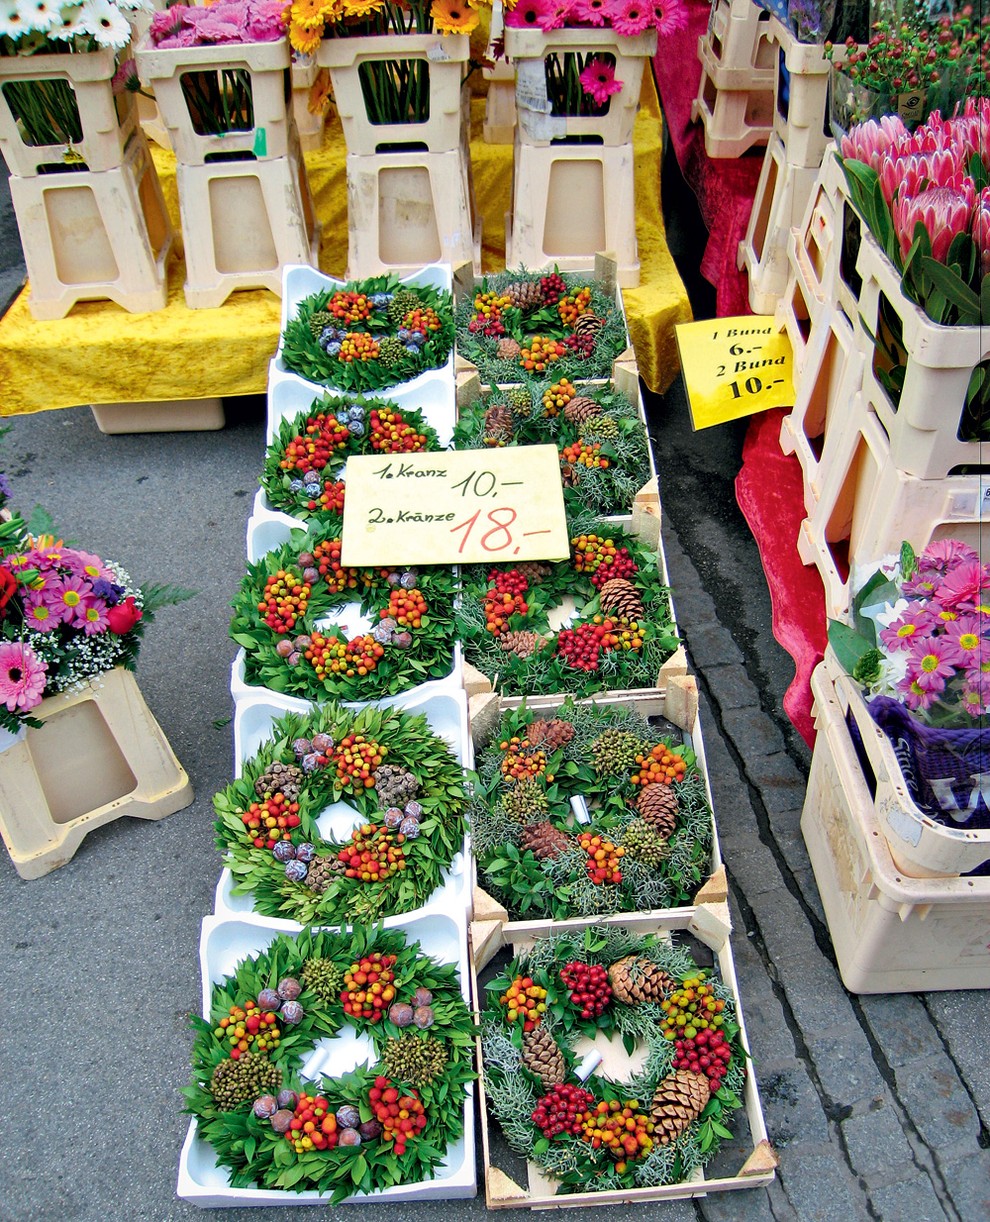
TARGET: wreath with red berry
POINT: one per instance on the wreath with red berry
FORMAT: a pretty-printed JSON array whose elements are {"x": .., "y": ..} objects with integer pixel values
[
  {"x": 520, "y": 327},
  {"x": 369, "y": 334},
  {"x": 282, "y": 619},
  {"x": 582, "y": 1128},
  {"x": 400, "y": 818},
  {"x": 386, "y": 1123},
  {"x": 610, "y": 595},
  {"x": 304, "y": 464},
  {"x": 588, "y": 811},
  {"x": 602, "y": 442}
]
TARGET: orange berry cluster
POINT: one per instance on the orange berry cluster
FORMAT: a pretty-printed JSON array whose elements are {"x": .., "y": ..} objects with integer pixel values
[
  {"x": 349, "y": 307},
  {"x": 402, "y": 1117},
  {"x": 539, "y": 351},
  {"x": 358, "y": 346},
  {"x": 390, "y": 433},
  {"x": 620, "y": 633},
  {"x": 331, "y": 655},
  {"x": 487, "y": 304},
  {"x": 323, "y": 437},
  {"x": 604, "y": 858},
  {"x": 313, "y": 1126},
  {"x": 270, "y": 821},
  {"x": 374, "y": 854},
  {"x": 520, "y": 760},
  {"x": 571, "y": 307},
  {"x": 356, "y": 758},
  {"x": 249, "y": 1029},
  {"x": 285, "y": 600},
  {"x": 525, "y": 1002},
  {"x": 584, "y": 454},
  {"x": 624, "y": 1131},
  {"x": 406, "y": 607},
  {"x": 691, "y": 1008},
  {"x": 590, "y": 551},
  {"x": 423, "y": 319},
  {"x": 369, "y": 986},
  {"x": 363, "y": 653},
  {"x": 498, "y": 608},
  {"x": 662, "y": 766},
  {"x": 557, "y": 396},
  {"x": 326, "y": 559}
]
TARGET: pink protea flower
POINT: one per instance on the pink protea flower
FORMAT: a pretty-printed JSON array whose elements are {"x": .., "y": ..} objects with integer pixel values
[
  {"x": 931, "y": 661},
  {"x": 915, "y": 622},
  {"x": 669, "y": 16},
  {"x": 868, "y": 141},
  {"x": 22, "y": 676},
  {"x": 906, "y": 174},
  {"x": 981, "y": 229},
  {"x": 630, "y": 17},
  {"x": 964, "y": 586},
  {"x": 588, "y": 12},
  {"x": 943, "y": 211},
  {"x": 598, "y": 80}
]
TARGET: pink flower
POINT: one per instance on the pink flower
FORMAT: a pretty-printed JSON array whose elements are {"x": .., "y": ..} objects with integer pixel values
[
  {"x": 598, "y": 80},
  {"x": 903, "y": 632},
  {"x": 669, "y": 16},
  {"x": 86, "y": 565},
  {"x": 555, "y": 15},
  {"x": 973, "y": 699},
  {"x": 942, "y": 554},
  {"x": 868, "y": 141},
  {"x": 68, "y": 598},
  {"x": 37, "y": 613},
  {"x": 264, "y": 21},
  {"x": 967, "y": 633},
  {"x": 588, "y": 12},
  {"x": 95, "y": 618},
  {"x": 906, "y": 174},
  {"x": 931, "y": 661},
  {"x": 981, "y": 229},
  {"x": 963, "y": 587},
  {"x": 166, "y": 23},
  {"x": 943, "y": 211},
  {"x": 916, "y": 697},
  {"x": 22, "y": 676},
  {"x": 630, "y": 17},
  {"x": 528, "y": 14},
  {"x": 125, "y": 79}
]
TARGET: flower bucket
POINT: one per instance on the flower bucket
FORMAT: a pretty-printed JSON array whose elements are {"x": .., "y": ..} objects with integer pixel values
[
  {"x": 551, "y": 103},
  {"x": 87, "y": 127}
]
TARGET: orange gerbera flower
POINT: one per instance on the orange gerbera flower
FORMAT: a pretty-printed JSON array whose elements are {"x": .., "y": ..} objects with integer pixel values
[
  {"x": 307, "y": 13},
  {"x": 319, "y": 93},
  {"x": 362, "y": 8},
  {"x": 303, "y": 39},
  {"x": 454, "y": 16}
]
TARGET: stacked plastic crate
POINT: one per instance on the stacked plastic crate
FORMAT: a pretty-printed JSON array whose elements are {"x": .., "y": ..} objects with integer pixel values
[{"x": 735, "y": 96}]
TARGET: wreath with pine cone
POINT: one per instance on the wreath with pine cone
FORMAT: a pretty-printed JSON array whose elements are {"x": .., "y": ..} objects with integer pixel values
[
  {"x": 343, "y": 1135},
  {"x": 403, "y": 790},
  {"x": 620, "y": 630},
  {"x": 281, "y": 619},
  {"x": 534, "y": 327},
  {"x": 602, "y": 442},
  {"x": 647, "y": 844},
  {"x": 366, "y": 335},
  {"x": 591, "y": 1133}
]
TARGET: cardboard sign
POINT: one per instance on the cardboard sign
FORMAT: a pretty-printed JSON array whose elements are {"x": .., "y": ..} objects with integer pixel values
[
  {"x": 454, "y": 507},
  {"x": 734, "y": 367}
]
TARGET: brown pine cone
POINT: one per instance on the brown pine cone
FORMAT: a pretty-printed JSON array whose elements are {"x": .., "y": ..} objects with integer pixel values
[
  {"x": 534, "y": 570},
  {"x": 580, "y": 409},
  {"x": 543, "y": 840},
  {"x": 657, "y": 805},
  {"x": 542, "y": 1057},
  {"x": 620, "y": 597},
  {"x": 680, "y": 1099},
  {"x": 508, "y": 349},
  {"x": 636, "y": 980},
  {"x": 498, "y": 423},
  {"x": 524, "y": 294},
  {"x": 522, "y": 644},
  {"x": 549, "y": 733},
  {"x": 588, "y": 324}
]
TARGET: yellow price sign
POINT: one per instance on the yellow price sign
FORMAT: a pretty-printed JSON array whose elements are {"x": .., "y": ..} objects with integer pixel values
[
  {"x": 454, "y": 507},
  {"x": 734, "y": 367}
]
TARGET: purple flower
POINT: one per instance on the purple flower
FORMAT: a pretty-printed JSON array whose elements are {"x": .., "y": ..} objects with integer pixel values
[
  {"x": 4, "y": 487},
  {"x": 108, "y": 591},
  {"x": 931, "y": 661}
]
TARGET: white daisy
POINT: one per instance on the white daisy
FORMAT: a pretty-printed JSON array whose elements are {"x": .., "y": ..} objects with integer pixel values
[
  {"x": 105, "y": 22},
  {"x": 39, "y": 15},
  {"x": 67, "y": 25},
  {"x": 13, "y": 22}
]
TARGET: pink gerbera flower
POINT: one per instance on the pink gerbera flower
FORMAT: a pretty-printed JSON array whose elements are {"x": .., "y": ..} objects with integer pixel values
[
  {"x": 669, "y": 16},
  {"x": 589, "y": 12},
  {"x": 964, "y": 585},
  {"x": 630, "y": 17},
  {"x": 528, "y": 14},
  {"x": 598, "y": 80},
  {"x": 556, "y": 15},
  {"x": 22, "y": 676},
  {"x": 915, "y": 622},
  {"x": 94, "y": 618},
  {"x": 931, "y": 661}
]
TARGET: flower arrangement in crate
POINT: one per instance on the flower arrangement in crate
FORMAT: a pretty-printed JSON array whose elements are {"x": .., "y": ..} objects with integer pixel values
[
  {"x": 66, "y": 616},
  {"x": 522, "y": 327},
  {"x": 289, "y": 613},
  {"x": 305, "y": 461},
  {"x": 919, "y": 644},
  {"x": 926, "y": 198},
  {"x": 588, "y": 812},
  {"x": 603, "y": 444},
  {"x": 591, "y": 1132},
  {"x": 389, "y": 771},
  {"x": 597, "y": 621},
  {"x": 379, "y": 1125},
  {"x": 369, "y": 334}
]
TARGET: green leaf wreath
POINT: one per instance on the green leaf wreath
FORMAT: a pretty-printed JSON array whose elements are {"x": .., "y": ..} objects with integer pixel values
[
  {"x": 525, "y": 834},
  {"x": 248, "y": 1145},
  {"x": 303, "y": 764}
]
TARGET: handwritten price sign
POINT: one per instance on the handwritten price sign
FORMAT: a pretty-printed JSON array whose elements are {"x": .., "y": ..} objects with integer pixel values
[
  {"x": 734, "y": 367},
  {"x": 454, "y": 508}
]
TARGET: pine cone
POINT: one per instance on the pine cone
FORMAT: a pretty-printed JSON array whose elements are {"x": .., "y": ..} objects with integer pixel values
[
  {"x": 279, "y": 778},
  {"x": 620, "y": 597},
  {"x": 589, "y": 324},
  {"x": 534, "y": 570},
  {"x": 522, "y": 644},
  {"x": 680, "y": 1099},
  {"x": 657, "y": 805},
  {"x": 543, "y": 840},
  {"x": 636, "y": 980},
  {"x": 542, "y": 1057},
  {"x": 580, "y": 409},
  {"x": 498, "y": 423},
  {"x": 524, "y": 294},
  {"x": 643, "y": 843},
  {"x": 549, "y": 733},
  {"x": 508, "y": 349},
  {"x": 322, "y": 872}
]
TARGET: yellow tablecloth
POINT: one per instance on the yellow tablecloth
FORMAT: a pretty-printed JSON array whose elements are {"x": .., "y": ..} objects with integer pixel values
[{"x": 102, "y": 354}]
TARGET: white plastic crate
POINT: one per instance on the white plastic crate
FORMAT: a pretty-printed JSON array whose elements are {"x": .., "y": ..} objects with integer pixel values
[
  {"x": 801, "y": 119},
  {"x": 740, "y": 44},
  {"x": 891, "y": 933},
  {"x": 735, "y": 120}
]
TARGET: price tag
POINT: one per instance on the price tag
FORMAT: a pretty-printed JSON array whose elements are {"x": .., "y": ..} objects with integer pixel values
[
  {"x": 734, "y": 367},
  {"x": 984, "y": 500},
  {"x": 454, "y": 507}
]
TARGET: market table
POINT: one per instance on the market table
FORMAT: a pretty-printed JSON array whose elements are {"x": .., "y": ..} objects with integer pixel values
[{"x": 101, "y": 354}]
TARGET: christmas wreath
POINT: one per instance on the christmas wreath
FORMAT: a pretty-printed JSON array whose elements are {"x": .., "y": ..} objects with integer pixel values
[
  {"x": 400, "y": 780},
  {"x": 369, "y": 334},
  {"x": 525, "y": 327},
  {"x": 281, "y": 620},
  {"x": 620, "y": 630},
  {"x": 660, "y": 1124},
  {"x": 604, "y": 449},
  {"x": 648, "y": 840},
  {"x": 306, "y": 458},
  {"x": 379, "y": 1125}
]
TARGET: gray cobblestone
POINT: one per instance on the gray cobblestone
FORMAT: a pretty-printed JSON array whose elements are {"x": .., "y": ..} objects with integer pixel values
[
  {"x": 753, "y": 1205},
  {"x": 791, "y": 1106},
  {"x": 844, "y": 1065},
  {"x": 902, "y": 1028},
  {"x": 875, "y": 1138},
  {"x": 938, "y": 1104},
  {"x": 732, "y": 687},
  {"x": 808, "y": 887},
  {"x": 962, "y": 1022},
  {"x": 968, "y": 1180},
  {"x": 820, "y": 1187},
  {"x": 781, "y": 783},
  {"x": 912, "y": 1199},
  {"x": 710, "y": 644},
  {"x": 752, "y": 733}
]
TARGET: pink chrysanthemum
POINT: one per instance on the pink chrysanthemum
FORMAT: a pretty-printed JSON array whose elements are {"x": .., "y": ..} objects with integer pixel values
[
  {"x": 943, "y": 554},
  {"x": 22, "y": 676},
  {"x": 37, "y": 613},
  {"x": 86, "y": 565},
  {"x": 94, "y": 618},
  {"x": 964, "y": 585},
  {"x": 68, "y": 598},
  {"x": 967, "y": 634},
  {"x": 630, "y": 17},
  {"x": 917, "y": 698},
  {"x": 589, "y": 12},
  {"x": 903, "y": 632},
  {"x": 598, "y": 80},
  {"x": 973, "y": 700},
  {"x": 931, "y": 661}
]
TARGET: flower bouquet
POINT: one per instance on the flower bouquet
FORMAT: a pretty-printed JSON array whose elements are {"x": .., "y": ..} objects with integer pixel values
[
  {"x": 647, "y": 841},
  {"x": 66, "y": 616},
  {"x": 919, "y": 644},
  {"x": 603, "y": 444}
]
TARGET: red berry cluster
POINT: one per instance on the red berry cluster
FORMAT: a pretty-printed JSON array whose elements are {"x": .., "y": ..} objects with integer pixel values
[
  {"x": 603, "y": 858},
  {"x": 422, "y": 320},
  {"x": 247, "y": 1029},
  {"x": 285, "y": 600},
  {"x": 508, "y": 581},
  {"x": 331, "y": 498},
  {"x": 311, "y": 450},
  {"x": 406, "y": 607},
  {"x": 708, "y": 1053},
  {"x": 487, "y": 318},
  {"x": 618, "y": 564},
  {"x": 499, "y": 607},
  {"x": 584, "y": 454},
  {"x": 582, "y": 345},
  {"x": 356, "y": 759},
  {"x": 580, "y": 647},
  {"x": 369, "y": 987},
  {"x": 349, "y": 307},
  {"x": 402, "y": 1117},
  {"x": 270, "y": 821},
  {"x": 326, "y": 560},
  {"x": 313, "y": 1126},
  {"x": 539, "y": 351},
  {"x": 562, "y": 1110},
  {"x": 589, "y": 552},
  {"x": 390, "y": 433},
  {"x": 589, "y": 986},
  {"x": 552, "y": 288},
  {"x": 330, "y": 655},
  {"x": 362, "y": 655},
  {"x": 374, "y": 854}
]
